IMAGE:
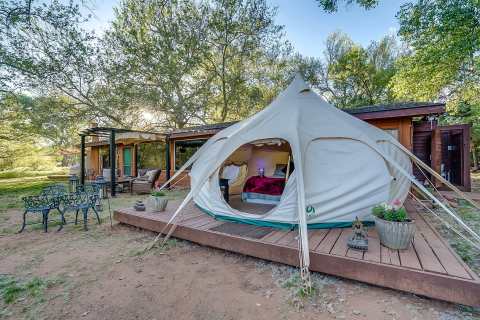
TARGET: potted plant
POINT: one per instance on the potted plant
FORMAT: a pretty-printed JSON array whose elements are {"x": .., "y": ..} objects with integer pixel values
[
  {"x": 159, "y": 200},
  {"x": 393, "y": 226}
]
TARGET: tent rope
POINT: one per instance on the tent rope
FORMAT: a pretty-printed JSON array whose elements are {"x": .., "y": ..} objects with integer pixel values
[
  {"x": 435, "y": 188},
  {"x": 434, "y": 173},
  {"x": 448, "y": 225}
]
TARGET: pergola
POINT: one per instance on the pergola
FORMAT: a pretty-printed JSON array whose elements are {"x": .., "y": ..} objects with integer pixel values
[{"x": 110, "y": 133}]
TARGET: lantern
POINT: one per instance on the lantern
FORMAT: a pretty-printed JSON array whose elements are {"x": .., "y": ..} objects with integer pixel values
[
  {"x": 102, "y": 190},
  {"x": 261, "y": 172},
  {"x": 72, "y": 183}
]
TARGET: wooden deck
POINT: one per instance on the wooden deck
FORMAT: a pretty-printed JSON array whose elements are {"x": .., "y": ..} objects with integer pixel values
[{"x": 429, "y": 268}]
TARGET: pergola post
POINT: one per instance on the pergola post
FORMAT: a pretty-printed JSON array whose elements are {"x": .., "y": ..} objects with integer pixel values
[
  {"x": 113, "y": 165},
  {"x": 167, "y": 160},
  {"x": 82, "y": 159}
]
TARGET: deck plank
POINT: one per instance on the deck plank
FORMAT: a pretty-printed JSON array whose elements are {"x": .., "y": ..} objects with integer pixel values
[
  {"x": 444, "y": 255},
  {"x": 373, "y": 252},
  {"x": 427, "y": 257},
  {"x": 212, "y": 224},
  {"x": 289, "y": 237},
  {"x": 189, "y": 215},
  {"x": 394, "y": 257},
  {"x": 409, "y": 258},
  {"x": 329, "y": 241},
  {"x": 259, "y": 232},
  {"x": 190, "y": 222},
  {"x": 340, "y": 248},
  {"x": 384, "y": 255},
  {"x": 357, "y": 254},
  {"x": 316, "y": 236},
  {"x": 274, "y": 236},
  {"x": 201, "y": 221}
]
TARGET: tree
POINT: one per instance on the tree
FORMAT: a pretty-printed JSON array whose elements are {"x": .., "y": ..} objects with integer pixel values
[
  {"x": 445, "y": 40},
  {"x": 44, "y": 51},
  {"x": 332, "y": 5},
  {"x": 158, "y": 49},
  {"x": 352, "y": 76},
  {"x": 242, "y": 36},
  {"x": 445, "y": 61},
  {"x": 195, "y": 62}
]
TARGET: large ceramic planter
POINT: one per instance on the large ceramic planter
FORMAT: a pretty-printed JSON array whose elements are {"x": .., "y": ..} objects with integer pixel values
[
  {"x": 158, "y": 203},
  {"x": 395, "y": 235}
]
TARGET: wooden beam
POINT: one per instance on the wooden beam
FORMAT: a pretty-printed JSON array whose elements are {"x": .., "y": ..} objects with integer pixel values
[
  {"x": 113, "y": 166},
  {"x": 82, "y": 159},
  {"x": 436, "y": 154},
  {"x": 167, "y": 161},
  {"x": 412, "y": 112}
]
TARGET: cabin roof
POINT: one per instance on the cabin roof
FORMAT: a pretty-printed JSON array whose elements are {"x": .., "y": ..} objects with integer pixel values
[
  {"x": 371, "y": 112},
  {"x": 380, "y": 111}
]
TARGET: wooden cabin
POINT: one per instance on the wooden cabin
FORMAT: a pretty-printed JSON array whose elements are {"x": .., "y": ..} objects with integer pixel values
[{"x": 445, "y": 148}]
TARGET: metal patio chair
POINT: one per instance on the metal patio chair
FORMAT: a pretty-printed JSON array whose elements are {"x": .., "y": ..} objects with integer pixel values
[
  {"x": 41, "y": 204},
  {"x": 82, "y": 200}
]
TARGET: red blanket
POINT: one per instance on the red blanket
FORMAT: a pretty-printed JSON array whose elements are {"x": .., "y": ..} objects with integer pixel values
[{"x": 265, "y": 185}]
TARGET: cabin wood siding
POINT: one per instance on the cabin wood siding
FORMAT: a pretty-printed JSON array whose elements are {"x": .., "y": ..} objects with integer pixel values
[{"x": 403, "y": 125}]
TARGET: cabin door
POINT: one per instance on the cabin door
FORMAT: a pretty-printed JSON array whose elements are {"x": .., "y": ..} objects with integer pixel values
[
  {"x": 456, "y": 154},
  {"x": 127, "y": 161}
]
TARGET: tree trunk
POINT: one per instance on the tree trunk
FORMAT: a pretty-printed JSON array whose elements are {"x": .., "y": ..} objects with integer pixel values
[{"x": 474, "y": 157}]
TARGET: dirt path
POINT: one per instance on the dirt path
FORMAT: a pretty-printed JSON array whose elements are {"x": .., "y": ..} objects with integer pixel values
[{"x": 100, "y": 274}]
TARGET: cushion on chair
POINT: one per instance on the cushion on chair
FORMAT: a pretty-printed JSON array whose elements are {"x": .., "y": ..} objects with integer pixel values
[{"x": 151, "y": 175}]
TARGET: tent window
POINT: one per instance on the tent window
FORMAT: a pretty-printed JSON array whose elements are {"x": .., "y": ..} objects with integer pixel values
[{"x": 185, "y": 149}]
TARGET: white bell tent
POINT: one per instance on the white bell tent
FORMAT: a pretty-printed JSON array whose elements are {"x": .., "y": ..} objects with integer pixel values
[{"x": 343, "y": 166}]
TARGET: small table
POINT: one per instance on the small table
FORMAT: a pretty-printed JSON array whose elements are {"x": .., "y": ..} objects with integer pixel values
[
  {"x": 126, "y": 183},
  {"x": 224, "y": 187}
]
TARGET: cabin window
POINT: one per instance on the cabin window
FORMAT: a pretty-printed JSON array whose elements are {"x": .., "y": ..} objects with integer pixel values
[
  {"x": 105, "y": 158},
  {"x": 393, "y": 133},
  {"x": 185, "y": 149},
  {"x": 151, "y": 155}
]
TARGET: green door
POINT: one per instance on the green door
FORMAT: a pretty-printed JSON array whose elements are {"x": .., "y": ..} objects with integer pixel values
[{"x": 127, "y": 161}]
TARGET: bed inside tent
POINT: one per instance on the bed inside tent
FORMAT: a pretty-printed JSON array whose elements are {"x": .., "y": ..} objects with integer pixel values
[{"x": 253, "y": 177}]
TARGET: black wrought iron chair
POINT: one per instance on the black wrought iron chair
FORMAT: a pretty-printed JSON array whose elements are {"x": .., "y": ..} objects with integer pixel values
[
  {"x": 82, "y": 200},
  {"x": 41, "y": 204},
  {"x": 56, "y": 191}
]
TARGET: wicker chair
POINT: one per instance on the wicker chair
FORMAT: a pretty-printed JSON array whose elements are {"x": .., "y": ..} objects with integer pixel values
[{"x": 141, "y": 185}]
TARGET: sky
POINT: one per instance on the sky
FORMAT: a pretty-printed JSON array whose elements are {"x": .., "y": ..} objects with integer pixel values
[{"x": 307, "y": 26}]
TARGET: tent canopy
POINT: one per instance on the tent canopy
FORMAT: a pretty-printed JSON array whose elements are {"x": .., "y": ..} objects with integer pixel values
[{"x": 342, "y": 164}]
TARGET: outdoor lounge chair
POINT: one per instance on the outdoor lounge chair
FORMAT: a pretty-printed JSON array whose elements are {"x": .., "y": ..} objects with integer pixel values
[{"x": 144, "y": 183}]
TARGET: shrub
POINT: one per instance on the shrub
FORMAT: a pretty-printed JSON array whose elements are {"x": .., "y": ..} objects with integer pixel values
[
  {"x": 158, "y": 193},
  {"x": 390, "y": 212}
]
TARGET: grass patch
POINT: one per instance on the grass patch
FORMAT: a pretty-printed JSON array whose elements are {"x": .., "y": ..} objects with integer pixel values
[
  {"x": 295, "y": 284},
  {"x": 13, "y": 289},
  {"x": 12, "y": 190},
  {"x": 24, "y": 173}
]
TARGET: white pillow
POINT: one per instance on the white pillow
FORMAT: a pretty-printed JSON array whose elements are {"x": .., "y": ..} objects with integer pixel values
[{"x": 150, "y": 174}]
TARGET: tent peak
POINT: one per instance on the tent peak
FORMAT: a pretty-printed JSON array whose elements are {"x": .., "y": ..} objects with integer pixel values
[{"x": 298, "y": 84}]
